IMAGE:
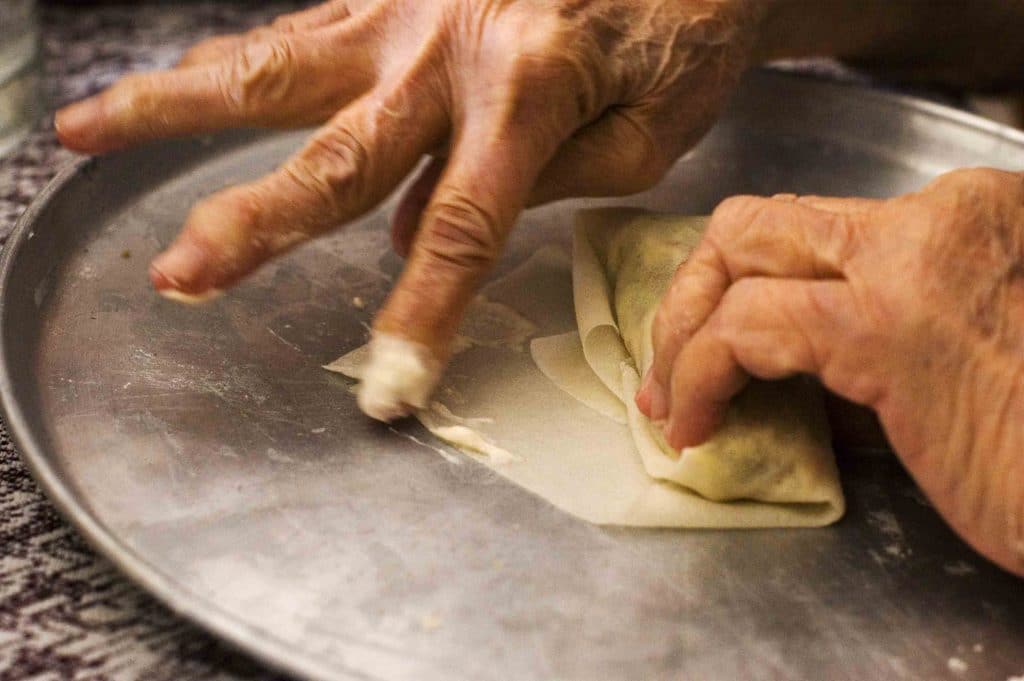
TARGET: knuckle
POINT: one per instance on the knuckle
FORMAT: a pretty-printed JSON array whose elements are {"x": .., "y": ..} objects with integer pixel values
[
  {"x": 462, "y": 233},
  {"x": 260, "y": 234},
  {"x": 646, "y": 163},
  {"x": 259, "y": 75},
  {"x": 978, "y": 180},
  {"x": 238, "y": 207},
  {"x": 839, "y": 242},
  {"x": 548, "y": 68},
  {"x": 678, "y": 318},
  {"x": 330, "y": 168},
  {"x": 199, "y": 51},
  {"x": 539, "y": 40},
  {"x": 731, "y": 318},
  {"x": 845, "y": 238},
  {"x": 286, "y": 23},
  {"x": 638, "y": 162},
  {"x": 742, "y": 294},
  {"x": 993, "y": 181},
  {"x": 734, "y": 212},
  {"x": 131, "y": 94},
  {"x": 976, "y": 183},
  {"x": 229, "y": 225},
  {"x": 633, "y": 170},
  {"x": 241, "y": 224},
  {"x": 728, "y": 222}
]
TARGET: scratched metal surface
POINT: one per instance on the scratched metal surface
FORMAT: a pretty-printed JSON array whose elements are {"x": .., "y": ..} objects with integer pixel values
[{"x": 207, "y": 454}]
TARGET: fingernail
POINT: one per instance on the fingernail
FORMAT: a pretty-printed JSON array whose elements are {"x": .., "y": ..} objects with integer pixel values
[
  {"x": 667, "y": 427},
  {"x": 658, "y": 401},
  {"x": 180, "y": 268},
  {"x": 641, "y": 398},
  {"x": 670, "y": 430}
]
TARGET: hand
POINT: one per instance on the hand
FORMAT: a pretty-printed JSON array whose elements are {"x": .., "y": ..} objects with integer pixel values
[
  {"x": 913, "y": 307},
  {"x": 528, "y": 101}
]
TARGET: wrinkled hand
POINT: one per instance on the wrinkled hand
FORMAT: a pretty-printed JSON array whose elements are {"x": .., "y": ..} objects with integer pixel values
[
  {"x": 912, "y": 306},
  {"x": 523, "y": 101}
]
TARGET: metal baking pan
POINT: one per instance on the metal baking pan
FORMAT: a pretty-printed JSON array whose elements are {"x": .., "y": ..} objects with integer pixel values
[{"x": 206, "y": 453}]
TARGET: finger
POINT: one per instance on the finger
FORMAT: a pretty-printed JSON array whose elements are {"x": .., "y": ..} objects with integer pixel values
[
  {"x": 615, "y": 156},
  {"x": 746, "y": 236},
  {"x": 288, "y": 81},
  {"x": 494, "y": 164},
  {"x": 768, "y": 329},
  {"x": 345, "y": 169},
  {"x": 220, "y": 47},
  {"x": 414, "y": 202},
  {"x": 471, "y": 211}
]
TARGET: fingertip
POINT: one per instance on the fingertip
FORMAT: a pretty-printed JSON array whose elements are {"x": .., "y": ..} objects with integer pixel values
[
  {"x": 691, "y": 431},
  {"x": 398, "y": 378},
  {"x": 159, "y": 280},
  {"x": 78, "y": 125},
  {"x": 680, "y": 442},
  {"x": 675, "y": 436},
  {"x": 189, "y": 299},
  {"x": 674, "y": 441},
  {"x": 643, "y": 399},
  {"x": 168, "y": 289},
  {"x": 645, "y": 383},
  {"x": 182, "y": 268},
  {"x": 652, "y": 399}
]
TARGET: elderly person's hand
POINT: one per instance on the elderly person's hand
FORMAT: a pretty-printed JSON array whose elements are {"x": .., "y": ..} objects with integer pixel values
[
  {"x": 523, "y": 101},
  {"x": 912, "y": 306}
]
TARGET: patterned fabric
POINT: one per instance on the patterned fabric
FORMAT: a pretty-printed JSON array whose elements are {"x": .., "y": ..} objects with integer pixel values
[{"x": 66, "y": 613}]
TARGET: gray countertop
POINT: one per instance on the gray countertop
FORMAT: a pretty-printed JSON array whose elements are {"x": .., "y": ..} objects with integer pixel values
[{"x": 64, "y": 611}]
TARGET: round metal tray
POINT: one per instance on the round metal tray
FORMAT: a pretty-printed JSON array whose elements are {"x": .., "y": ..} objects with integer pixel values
[{"x": 206, "y": 453}]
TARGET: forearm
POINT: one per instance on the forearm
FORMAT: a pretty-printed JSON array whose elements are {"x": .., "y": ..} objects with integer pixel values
[{"x": 971, "y": 43}]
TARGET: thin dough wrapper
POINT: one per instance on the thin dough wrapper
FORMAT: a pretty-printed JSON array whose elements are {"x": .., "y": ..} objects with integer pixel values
[
  {"x": 585, "y": 456},
  {"x": 774, "y": 444}
]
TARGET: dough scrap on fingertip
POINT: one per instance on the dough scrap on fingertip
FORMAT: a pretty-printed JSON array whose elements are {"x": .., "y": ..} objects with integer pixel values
[
  {"x": 397, "y": 379},
  {"x": 191, "y": 298}
]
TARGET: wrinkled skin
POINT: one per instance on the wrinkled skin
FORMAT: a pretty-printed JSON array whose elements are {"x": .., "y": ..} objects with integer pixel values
[
  {"x": 523, "y": 101},
  {"x": 912, "y": 306}
]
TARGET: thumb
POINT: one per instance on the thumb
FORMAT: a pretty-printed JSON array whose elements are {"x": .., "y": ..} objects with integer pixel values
[
  {"x": 772, "y": 328},
  {"x": 462, "y": 232}
]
